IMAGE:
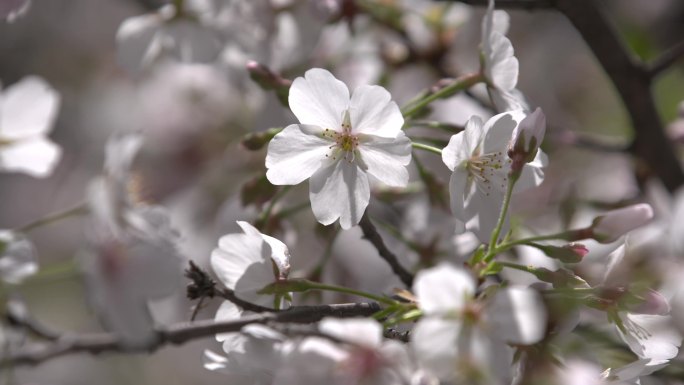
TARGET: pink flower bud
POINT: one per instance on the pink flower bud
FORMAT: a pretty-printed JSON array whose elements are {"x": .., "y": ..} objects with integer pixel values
[
  {"x": 527, "y": 137},
  {"x": 612, "y": 225}
]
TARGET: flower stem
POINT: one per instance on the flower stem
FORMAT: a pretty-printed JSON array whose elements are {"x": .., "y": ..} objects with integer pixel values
[
  {"x": 458, "y": 84},
  {"x": 426, "y": 147},
  {"x": 346, "y": 290},
  {"x": 492, "y": 249},
  {"x": 79, "y": 209}
]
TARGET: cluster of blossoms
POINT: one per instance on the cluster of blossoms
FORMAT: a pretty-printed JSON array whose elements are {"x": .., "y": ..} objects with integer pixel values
[{"x": 518, "y": 306}]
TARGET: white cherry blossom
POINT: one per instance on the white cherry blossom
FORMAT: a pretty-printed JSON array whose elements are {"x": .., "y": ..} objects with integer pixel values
[
  {"x": 27, "y": 112},
  {"x": 499, "y": 64},
  {"x": 340, "y": 142},
  {"x": 460, "y": 337},
  {"x": 478, "y": 158},
  {"x": 361, "y": 357},
  {"x": 132, "y": 257},
  {"x": 17, "y": 257},
  {"x": 180, "y": 34},
  {"x": 244, "y": 263}
]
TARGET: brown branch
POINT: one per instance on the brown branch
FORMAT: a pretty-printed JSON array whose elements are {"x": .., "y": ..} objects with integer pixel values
[
  {"x": 372, "y": 235},
  {"x": 667, "y": 59},
  {"x": 631, "y": 78},
  {"x": 179, "y": 333},
  {"x": 514, "y": 4}
]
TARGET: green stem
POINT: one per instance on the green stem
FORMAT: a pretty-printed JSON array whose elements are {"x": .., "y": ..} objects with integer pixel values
[
  {"x": 459, "y": 84},
  {"x": 269, "y": 209},
  {"x": 284, "y": 213},
  {"x": 79, "y": 209},
  {"x": 512, "y": 265},
  {"x": 426, "y": 147},
  {"x": 491, "y": 252},
  {"x": 346, "y": 290}
]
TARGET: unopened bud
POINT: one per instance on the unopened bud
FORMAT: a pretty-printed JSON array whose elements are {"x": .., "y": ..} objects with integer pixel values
[
  {"x": 570, "y": 253},
  {"x": 526, "y": 139},
  {"x": 612, "y": 225},
  {"x": 268, "y": 80},
  {"x": 256, "y": 140}
]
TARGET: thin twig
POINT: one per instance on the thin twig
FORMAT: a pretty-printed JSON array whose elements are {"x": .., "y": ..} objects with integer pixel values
[
  {"x": 666, "y": 60},
  {"x": 179, "y": 333},
  {"x": 515, "y": 4},
  {"x": 372, "y": 235}
]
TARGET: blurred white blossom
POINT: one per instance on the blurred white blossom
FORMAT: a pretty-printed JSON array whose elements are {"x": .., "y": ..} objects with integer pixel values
[
  {"x": 17, "y": 257},
  {"x": 27, "y": 112}
]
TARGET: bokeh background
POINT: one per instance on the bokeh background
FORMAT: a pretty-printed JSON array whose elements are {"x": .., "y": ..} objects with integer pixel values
[{"x": 194, "y": 116}]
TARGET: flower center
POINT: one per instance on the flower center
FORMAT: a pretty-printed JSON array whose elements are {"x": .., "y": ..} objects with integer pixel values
[
  {"x": 346, "y": 143},
  {"x": 487, "y": 170}
]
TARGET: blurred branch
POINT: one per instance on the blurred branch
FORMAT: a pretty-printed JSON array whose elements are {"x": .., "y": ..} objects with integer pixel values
[
  {"x": 178, "y": 333},
  {"x": 667, "y": 59},
  {"x": 515, "y": 4},
  {"x": 372, "y": 235},
  {"x": 631, "y": 77}
]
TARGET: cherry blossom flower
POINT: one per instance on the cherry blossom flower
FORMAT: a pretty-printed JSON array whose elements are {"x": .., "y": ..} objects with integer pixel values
[
  {"x": 499, "y": 64},
  {"x": 252, "y": 357},
  {"x": 27, "y": 112},
  {"x": 361, "y": 357},
  {"x": 17, "y": 257},
  {"x": 245, "y": 263},
  {"x": 339, "y": 143},
  {"x": 180, "y": 34},
  {"x": 478, "y": 158},
  {"x": 460, "y": 337},
  {"x": 133, "y": 256},
  {"x": 647, "y": 327}
]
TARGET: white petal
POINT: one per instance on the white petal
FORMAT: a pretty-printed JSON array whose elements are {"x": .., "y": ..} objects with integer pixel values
[
  {"x": 28, "y": 109},
  {"x": 236, "y": 252},
  {"x": 443, "y": 288},
  {"x": 651, "y": 336},
  {"x": 362, "y": 331},
  {"x": 482, "y": 213},
  {"x": 501, "y": 67},
  {"x": 532, "y": 174},
  {"x": 517, "y": 315},
  {"x": 17, "y": 257},
  {"x": 295, "y": 153},
  {"x": 433, "y": 341},
  {"x": 462, "y": 145},
  {"x": 280, "y": 254},
  {"x": 35, "y": 157},
  {"x": 459, "y": 189},
  {"x": 120, "y": 151},
  {"x": 508, "y": 100},
  {"x": 339, "y": 191},
  {"x": 227, "y": 311},
  {"x": 319, "y": 99},
  {"x": 255, "y": 278},
  {"x": 373, "y": 112},
  {"x": 387, "y": 158},
  {"x": 135, "y": 41},
  {"x": 499, "y": 131}
]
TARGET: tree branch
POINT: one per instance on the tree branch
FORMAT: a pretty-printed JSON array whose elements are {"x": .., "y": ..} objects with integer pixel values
[
  {"x": 179, "y": 333},
  {"x": 667, "y": 59},
  {"x": 631, "y": 78},
  {"x": 514, "y": 4},
  {"x": 372, "y": 235}
]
